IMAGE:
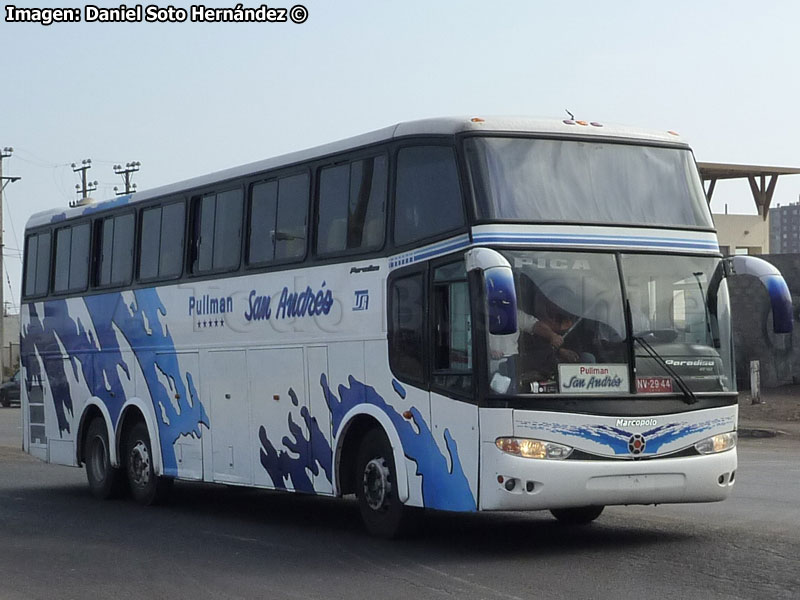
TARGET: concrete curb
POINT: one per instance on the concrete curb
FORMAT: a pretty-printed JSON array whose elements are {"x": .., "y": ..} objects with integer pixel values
[{"x": 755, "y": 432}]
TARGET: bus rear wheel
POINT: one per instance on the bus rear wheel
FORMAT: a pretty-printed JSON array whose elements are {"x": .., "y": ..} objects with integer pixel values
[
  {"x": 146, "y": 487},
  {"x": 105, "y": 481},
  {"x": 582, "y": 515},
  {"x": 376, "y": 488}
]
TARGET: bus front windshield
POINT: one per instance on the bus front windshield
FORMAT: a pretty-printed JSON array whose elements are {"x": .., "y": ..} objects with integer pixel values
[{"x": 580, "y": 331}]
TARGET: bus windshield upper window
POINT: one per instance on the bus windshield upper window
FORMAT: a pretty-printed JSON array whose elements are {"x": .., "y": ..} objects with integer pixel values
[
  {"x": 428, "y": 194},
  {"x": 524, "y": 179}
]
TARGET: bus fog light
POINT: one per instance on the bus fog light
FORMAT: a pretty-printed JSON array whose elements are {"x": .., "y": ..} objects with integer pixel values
[
  {"x": 718, "y": 443},
  {"x": 533, "y": 448}
]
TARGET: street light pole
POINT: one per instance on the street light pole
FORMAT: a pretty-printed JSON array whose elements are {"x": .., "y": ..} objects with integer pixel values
[{"x": 4, "y": 181}]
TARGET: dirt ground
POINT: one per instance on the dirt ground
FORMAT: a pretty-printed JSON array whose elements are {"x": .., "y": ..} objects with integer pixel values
[{"x": 779, "y": 409}]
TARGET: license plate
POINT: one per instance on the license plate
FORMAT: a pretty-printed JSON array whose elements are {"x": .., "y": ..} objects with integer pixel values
[{"x": 653, "y": 385}]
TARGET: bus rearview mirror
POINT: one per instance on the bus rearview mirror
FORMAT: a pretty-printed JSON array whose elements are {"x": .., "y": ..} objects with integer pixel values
[
  {"x": 501, "y": 294},
  {"x": 774, "y": 283}
]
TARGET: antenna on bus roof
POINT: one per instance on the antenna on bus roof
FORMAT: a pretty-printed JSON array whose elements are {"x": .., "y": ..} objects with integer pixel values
[{"x": 571, "y": 116}]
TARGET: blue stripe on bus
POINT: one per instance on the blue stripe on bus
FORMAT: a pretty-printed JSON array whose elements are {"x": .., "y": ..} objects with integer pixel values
[
  {"x": 599, "y": 240},
  {"x": 592, "y": 236}
]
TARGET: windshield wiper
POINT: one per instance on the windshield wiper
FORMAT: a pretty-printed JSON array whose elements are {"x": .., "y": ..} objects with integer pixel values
[{"x": 688, "y": 394}]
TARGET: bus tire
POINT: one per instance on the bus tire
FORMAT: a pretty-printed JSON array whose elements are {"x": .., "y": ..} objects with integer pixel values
[
  {"x": 146, "y": 488},
  {"x": 105, "y": 481},
  {"x": 577, "y": 516},
  {"x": 381, "y": 511}
]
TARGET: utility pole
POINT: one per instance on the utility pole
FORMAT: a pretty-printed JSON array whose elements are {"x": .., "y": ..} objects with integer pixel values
[
  {"x": 130, "y": 167},
  {"x": 4, "y": 181},
  {"x": 83, "y": 188}
]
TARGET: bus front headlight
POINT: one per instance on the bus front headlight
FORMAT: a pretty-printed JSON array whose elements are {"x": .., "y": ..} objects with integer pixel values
[
  {"x": 718, "y": 443},
  {"x": 527, "y": 448}
]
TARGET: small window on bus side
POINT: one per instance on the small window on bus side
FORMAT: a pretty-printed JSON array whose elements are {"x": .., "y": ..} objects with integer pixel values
[
  {"x": 37, "y": 264},
  {"x": 217, "y": 231},
  {"x": 352, "y": 204},
  {"x": 427, "y": 193},
  {"x": 72, "y": 259},
  {"x": 161, "y": 246},
  {"x": 407, "y": 327},
  {"x": 114, "y": 250},
  {"x": 278, "y": 213},
  {"x": 452, "y": 328}
]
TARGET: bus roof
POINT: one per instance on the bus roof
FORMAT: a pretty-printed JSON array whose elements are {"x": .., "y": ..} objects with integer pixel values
[{"x": 434, "y": 126}]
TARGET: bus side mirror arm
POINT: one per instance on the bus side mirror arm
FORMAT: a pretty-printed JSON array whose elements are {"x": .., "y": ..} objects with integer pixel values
[
  {"x": 771, "y": 278},
  {"x": 501, "y": 295}
]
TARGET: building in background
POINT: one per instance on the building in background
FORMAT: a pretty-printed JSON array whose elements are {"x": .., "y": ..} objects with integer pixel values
[
  {"x": 11, "y": 348},
  {"x": 784, "y": 229},
  {"x": 743, "y": 234}
]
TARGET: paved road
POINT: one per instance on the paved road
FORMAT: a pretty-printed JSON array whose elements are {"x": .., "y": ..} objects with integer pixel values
[{"x": 213, "y": 542}]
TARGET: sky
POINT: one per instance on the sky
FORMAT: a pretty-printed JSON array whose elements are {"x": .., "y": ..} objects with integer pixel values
[{"x": 188, "y": 98}]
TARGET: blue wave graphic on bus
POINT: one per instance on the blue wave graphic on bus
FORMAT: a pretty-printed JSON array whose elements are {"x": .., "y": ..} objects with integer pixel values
[
  {"x": 282, "y": 466},
  {"x": 101, "y": 361},
  {"x": 617, "y": 439},
  {"x": 43, "y": 336},
  {"x": 443, "y": 487}
]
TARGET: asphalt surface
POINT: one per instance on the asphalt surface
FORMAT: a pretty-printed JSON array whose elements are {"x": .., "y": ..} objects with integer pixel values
[{"x": 216, "y": 542}]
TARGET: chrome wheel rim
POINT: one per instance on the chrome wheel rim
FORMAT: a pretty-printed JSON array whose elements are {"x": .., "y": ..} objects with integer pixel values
[
  {"x": 376, "y": 484},
  {"x": 139, "y": 464}
]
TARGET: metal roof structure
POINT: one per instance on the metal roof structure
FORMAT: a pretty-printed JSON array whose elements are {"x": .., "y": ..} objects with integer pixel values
[{"x": 756, "y": 175}]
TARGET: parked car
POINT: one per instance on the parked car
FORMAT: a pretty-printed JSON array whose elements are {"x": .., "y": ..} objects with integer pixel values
[{"x": 9, "y": 391}]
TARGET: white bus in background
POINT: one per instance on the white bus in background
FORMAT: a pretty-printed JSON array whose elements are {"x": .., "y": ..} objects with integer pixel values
[{"x": 460, "y": 314}]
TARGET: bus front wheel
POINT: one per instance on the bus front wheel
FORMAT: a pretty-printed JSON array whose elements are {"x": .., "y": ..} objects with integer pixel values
[
  {"x": 105, "y": 481},
  {"x": 376, "y": 488},
  {"x": 577, "y": 516},
  {"x": 146, "y": 487}
]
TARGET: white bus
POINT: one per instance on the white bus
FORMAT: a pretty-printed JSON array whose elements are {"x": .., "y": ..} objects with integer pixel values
[{"x": 458, "y": 314}]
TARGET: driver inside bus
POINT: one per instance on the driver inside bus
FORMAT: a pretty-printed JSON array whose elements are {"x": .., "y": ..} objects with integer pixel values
[{"x": 534, "y": 352}]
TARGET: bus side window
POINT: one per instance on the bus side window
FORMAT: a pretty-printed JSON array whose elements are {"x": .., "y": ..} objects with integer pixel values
[
  {"x": 37, "y": 264},
  {"x": 161, "y": 243},
  {"x": 351, "y": 206},
  {"x": 72, "y": 259},
  {"x": 217, "y": 231},
  {"x": 427, "y": 193},
  {"x": 407, "y": 326},
  {"x": 290, "y": 226},
  {"x": 114, "y": 250},
  {"x": 278, "y": 214},
  {"x": 452, "y": 329}
]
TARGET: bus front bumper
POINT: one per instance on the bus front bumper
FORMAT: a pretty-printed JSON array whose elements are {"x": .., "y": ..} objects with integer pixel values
[{"x": 516, "y": 483}]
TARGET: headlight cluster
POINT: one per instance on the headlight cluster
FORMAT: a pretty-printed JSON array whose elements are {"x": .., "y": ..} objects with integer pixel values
[
  {"x": 718, "y": 443},
  {"x": 533, "y": 448}
]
